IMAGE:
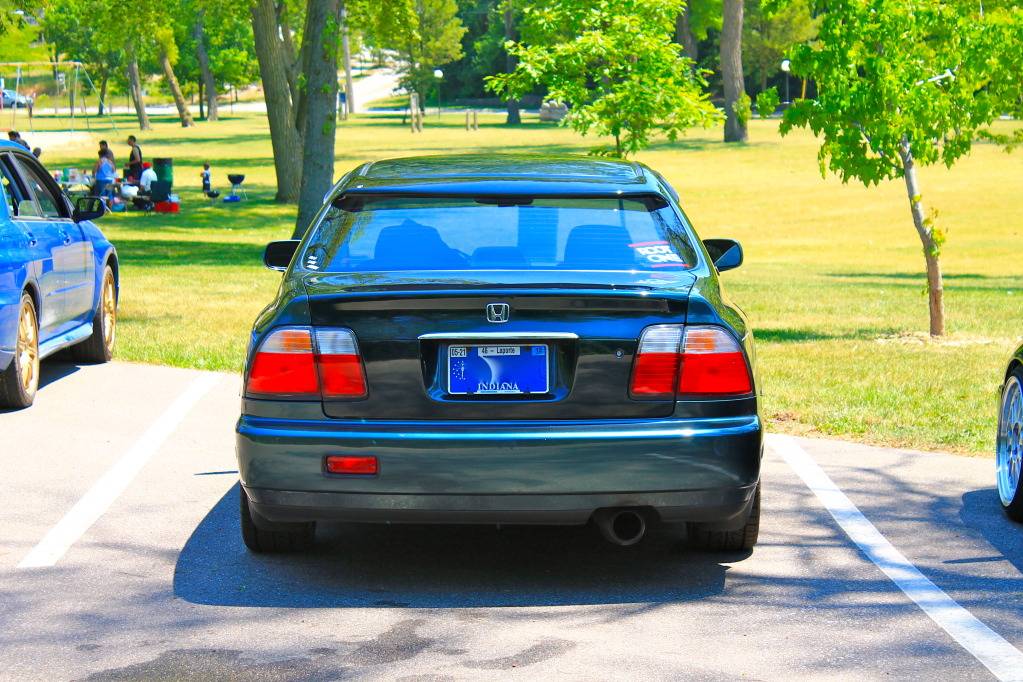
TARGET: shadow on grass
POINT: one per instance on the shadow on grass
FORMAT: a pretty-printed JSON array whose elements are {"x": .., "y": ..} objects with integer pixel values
[
  {"x": 173, "y": 253},
  {"x": 787, "y": 335}
]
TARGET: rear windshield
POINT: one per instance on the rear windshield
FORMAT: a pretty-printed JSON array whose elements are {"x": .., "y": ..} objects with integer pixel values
[{"x": 367, "y": 234}]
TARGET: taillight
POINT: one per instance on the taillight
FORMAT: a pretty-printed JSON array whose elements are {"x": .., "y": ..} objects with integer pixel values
[
  {"x": 284, "y": 366},
  {"x": 303, "y": 363},
  {"x": 674, "y": 361},
  {"x": 337, "y": 356},
  {"x": 713, "y": 363},
  {"x": 655, "y": 372}
]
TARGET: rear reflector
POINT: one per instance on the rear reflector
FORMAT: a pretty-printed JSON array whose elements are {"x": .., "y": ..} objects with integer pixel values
[
  {"x": 351, "y": 465},
  {"x": 299, "y": 363},
  {"x": 673, "y": 360}
]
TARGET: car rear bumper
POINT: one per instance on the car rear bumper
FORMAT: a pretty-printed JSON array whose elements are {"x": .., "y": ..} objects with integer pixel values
[{"x": 489, "y": 472}]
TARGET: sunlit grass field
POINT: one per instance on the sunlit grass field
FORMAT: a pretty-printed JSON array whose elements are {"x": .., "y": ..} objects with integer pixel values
[{"x": 833, "y": 280}]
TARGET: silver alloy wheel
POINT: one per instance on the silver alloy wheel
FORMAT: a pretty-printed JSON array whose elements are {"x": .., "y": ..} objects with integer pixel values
[{"x": 1009, "y": 456}]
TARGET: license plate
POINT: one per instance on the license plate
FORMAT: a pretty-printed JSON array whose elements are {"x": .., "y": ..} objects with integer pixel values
[{"x": 498, "y": 370}]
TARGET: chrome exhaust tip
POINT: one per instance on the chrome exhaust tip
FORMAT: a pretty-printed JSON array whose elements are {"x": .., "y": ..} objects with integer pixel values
[{"x": 622, "y": 527}]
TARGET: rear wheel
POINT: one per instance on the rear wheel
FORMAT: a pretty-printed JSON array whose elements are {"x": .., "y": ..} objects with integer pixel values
[
  {"x": 1009, "y": 453},
  {"x": 99, "y": 347},
  {"x": 261, "y": 535},
  {"x": 744, "y": 538},
  {"x": 19, "y": 382}
]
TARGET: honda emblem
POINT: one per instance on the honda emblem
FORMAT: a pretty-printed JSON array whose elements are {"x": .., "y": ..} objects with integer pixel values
[{"x": 498, "y": 312}]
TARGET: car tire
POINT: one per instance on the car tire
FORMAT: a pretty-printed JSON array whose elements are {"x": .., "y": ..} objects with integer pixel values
[
  {"x": 99, "y": 347},
  {"x": 740, "y": 539},
  {"x": 1009, "y": 448},
  {"x": 19, "y": 382},
  {"x": 271, "y": 537}
]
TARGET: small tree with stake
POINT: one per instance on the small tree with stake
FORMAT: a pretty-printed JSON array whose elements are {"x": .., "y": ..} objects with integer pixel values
[
  {"x": 614, "y": 64},
  {"x": 903, "y": 83}
]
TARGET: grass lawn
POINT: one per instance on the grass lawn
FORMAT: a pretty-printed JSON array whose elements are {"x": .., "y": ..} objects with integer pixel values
[{"x": 833, "y": 279}]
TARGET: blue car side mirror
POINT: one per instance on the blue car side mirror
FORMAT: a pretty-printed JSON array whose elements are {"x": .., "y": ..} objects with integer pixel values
[
  {"x": 88, "y": 208},
  {"x": 726, "y": 253}
]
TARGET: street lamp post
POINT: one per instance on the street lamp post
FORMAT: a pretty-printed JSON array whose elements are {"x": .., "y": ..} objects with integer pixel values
[
  {"x": 786, "y": 66},
  {"x": 438, "y": 74}
]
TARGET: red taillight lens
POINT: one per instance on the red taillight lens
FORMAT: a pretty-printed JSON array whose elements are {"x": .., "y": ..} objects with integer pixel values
[
  {"x": 655, "y": 372},
  {"x": 351, "y": 465},
  {"x": 284, "y": 366},
  {"x": 713, "y": 363},
  {"x": 337, "y": 356},
  {"x": 297, "y": 362},
  {"x": 675, "y": 361}
]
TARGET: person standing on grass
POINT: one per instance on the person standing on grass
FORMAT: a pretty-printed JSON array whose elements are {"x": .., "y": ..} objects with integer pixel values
[
  {"x": 105, "y": 175},
  {"x": 106, "y": 151},
  {"x": 134, "y": 159},
  {"x": 207, "y": 185}
]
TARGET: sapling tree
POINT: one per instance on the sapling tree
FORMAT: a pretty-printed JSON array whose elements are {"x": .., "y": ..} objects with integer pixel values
[
  {"x": 906, "y": 83},
  {"x": 614, "y": 64}
]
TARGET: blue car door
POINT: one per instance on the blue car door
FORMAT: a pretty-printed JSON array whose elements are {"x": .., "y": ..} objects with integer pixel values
[
  {"x": 34, "y": 245},
  {"x": 72, "y": 257}
]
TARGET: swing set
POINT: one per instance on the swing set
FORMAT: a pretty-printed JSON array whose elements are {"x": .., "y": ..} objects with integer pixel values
[{"x": 60, "y": 94}]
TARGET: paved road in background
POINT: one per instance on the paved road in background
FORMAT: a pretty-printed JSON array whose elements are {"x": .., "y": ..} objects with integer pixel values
[{"x": 160, "y": 585}]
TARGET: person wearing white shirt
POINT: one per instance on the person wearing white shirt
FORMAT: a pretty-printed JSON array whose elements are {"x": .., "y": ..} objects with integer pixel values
[{"x": 147, "y": 177}]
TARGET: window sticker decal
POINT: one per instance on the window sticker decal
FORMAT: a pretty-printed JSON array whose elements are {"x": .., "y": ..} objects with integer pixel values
[{"x": 659, "y": 254}]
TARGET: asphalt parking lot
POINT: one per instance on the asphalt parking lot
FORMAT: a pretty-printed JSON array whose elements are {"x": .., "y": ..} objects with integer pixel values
[{"x": 120, "y": 558}]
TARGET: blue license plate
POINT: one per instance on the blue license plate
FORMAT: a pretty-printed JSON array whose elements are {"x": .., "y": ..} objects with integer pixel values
[{"x": 498, "y": 370}]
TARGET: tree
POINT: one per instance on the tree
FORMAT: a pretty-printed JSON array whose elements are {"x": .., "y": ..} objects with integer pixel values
[
  {"x": 614, "y": 64},
  {"x": 207, "y": 85},
  {"x": 770, "y": 29},
  {"x": 167, "y": 48},
  {"x": 320, "y": 48},
  {"x": 71, "y": 29},
  {"x": 736, "y": 104},
  {"x": 693, "y": 23},
  {"x": 432, "y": 41},
  {"x": 903, "y": 84}
]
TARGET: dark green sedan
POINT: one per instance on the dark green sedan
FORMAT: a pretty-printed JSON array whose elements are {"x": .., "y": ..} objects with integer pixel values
[{"x": 501, "y": 340}]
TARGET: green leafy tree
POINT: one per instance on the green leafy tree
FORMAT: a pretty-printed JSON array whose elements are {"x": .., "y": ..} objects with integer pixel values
[
  {"x": 904, "y": 83},
  {"x": 770, "y": 29},
  {"x": 433, "y": 40},
  {"x": 614, "y": 64}
]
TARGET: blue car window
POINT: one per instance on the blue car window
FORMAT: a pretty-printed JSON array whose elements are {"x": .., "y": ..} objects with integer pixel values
[
  {"x": 19, "y": 202},
  {"x": 47, "y": 201},
  {"x": 368, "y": 234}
]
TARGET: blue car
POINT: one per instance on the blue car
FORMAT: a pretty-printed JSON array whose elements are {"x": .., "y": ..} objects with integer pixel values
[
  {"x": 58, "y": 276},
  {"x": 501, "y": 340}
]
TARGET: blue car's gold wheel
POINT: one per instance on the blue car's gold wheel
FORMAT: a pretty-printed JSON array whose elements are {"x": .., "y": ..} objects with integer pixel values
[
  {"x": 99, "y": 347},
  {"x": 1009, "y": 454},
  {"x": 18, "y": 383}
]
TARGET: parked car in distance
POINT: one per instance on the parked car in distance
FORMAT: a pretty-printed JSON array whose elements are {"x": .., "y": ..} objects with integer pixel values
[
  {"x": 58, "y": 276},
  {"x": 12, "y": 100},
  {"x": 1009, "y": 448},
  {"x": 501, "y": 340}
]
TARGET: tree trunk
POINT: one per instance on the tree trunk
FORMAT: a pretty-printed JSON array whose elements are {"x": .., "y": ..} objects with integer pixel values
[
  {"x": 206, "y": 82},
  {"x": 346, "y": 50},
  {"x": 731, "y": 68},
  {"x": 104, "y": 81},
  {"x": 514, "y": 117},
  {"x": 274, "y": 62},
  {"x": 684, "y": 34},
  {"x": 320, "y": 45},
  {"x": 135, "y": 89},
  {"x": 202, "y": 108},
  {"x": 172, "y": 82},
  {"x": 932, "y": 249}
]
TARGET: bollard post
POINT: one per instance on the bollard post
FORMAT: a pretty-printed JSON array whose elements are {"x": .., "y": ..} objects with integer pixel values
[{"x": 475, "y": 120}]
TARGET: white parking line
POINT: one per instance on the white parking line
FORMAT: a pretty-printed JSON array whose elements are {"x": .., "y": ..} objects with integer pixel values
[
  {"x": 104, "y": 491},
  {"x": 987, "y": 646}
]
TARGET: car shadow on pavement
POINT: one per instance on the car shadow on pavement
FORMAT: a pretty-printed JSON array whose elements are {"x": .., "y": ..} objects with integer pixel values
[
  {"x": 982, "y": 511},
  {"x": 374, "y": 566},
  {"x": 50, "y": 371}
]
